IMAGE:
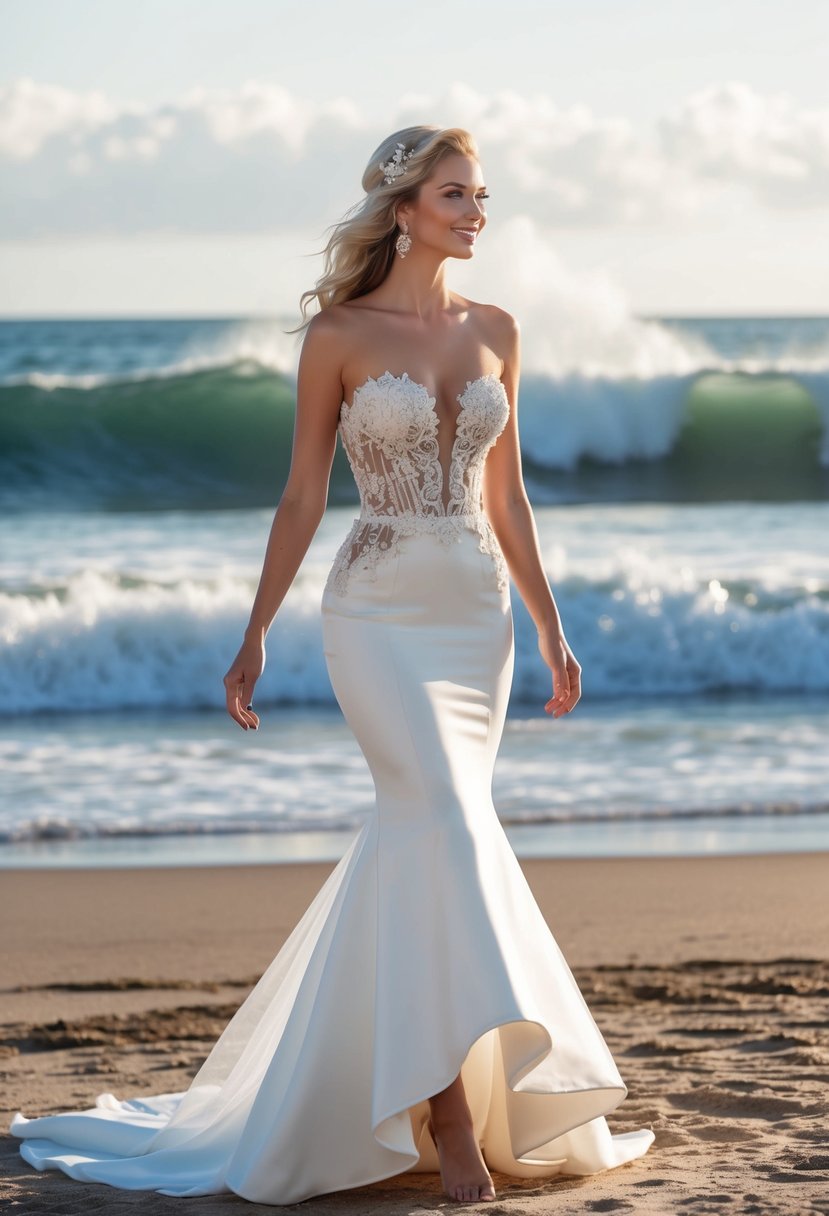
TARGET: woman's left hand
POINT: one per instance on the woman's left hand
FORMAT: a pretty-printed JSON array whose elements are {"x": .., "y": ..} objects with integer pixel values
[{"x": 566, "y": 673}]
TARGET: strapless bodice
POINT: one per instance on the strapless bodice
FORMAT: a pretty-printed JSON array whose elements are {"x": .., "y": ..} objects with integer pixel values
[{"x": 390, "y": 436}]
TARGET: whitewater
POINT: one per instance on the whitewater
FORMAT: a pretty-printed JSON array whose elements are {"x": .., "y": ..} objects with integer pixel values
[
  {"x": 152, "y": 415},
  {"x": 681, "y": 487}
]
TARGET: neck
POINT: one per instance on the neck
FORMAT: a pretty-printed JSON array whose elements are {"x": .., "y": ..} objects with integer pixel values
[{"x": 416, "y": 284}]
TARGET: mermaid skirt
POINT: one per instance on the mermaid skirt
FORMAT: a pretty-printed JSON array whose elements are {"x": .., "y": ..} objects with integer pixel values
[{"x": 423, "y": 955}]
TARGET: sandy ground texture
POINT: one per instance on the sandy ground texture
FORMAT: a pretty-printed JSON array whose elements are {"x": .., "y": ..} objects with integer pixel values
[{"x": 709, "y": 978}]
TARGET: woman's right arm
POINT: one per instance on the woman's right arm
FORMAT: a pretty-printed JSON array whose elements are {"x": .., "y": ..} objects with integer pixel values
[{"x": 301, "y": 506}]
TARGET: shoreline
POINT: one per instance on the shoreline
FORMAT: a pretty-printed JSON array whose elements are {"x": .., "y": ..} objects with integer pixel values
[
  {"x": 706, "y": 975},
  {"x": 616, "y": 838}
]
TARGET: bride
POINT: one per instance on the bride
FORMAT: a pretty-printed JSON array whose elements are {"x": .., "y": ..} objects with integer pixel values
[{"x": 420, "y": 1016}]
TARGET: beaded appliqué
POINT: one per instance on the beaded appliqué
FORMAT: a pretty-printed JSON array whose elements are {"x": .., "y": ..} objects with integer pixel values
[
  {"x": 390, "y": 435},
  {"x": 396, "y": 165}
]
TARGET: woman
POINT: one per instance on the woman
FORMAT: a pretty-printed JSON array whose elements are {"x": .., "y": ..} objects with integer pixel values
[{"x": 420, "y": 1016}]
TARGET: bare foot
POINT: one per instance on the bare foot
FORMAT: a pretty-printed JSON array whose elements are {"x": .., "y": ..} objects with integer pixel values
[{"x": 462, "y": 1169}]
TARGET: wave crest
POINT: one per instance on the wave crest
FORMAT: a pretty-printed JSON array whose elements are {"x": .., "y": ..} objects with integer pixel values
[
  {"x": 99, "y": 642},
  {"x": 221, "y": 437}
]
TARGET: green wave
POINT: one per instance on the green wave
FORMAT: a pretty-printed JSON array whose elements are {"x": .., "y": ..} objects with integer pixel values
[{"x": 221, "y": 438}]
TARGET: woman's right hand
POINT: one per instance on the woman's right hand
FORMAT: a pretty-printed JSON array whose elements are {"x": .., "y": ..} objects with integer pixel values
[{"x": 240, "y": 681}]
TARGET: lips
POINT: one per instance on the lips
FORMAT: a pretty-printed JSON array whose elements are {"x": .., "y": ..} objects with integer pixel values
[{"x": 467, "y": 234}]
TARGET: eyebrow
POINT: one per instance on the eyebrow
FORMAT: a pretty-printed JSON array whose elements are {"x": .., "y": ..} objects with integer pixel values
[{"x": 459, "y": 184}]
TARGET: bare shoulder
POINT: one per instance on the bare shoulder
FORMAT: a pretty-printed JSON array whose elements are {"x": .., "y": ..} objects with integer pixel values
[
  {"x": 327, "y": 337},
  {"x": 498, "y": 328},
  {"x": 340, "y": 325},
  {"x": 328, "y": 325}
]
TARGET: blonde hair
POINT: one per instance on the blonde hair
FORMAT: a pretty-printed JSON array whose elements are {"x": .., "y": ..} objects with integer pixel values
[{"x": 360, "y": 250}]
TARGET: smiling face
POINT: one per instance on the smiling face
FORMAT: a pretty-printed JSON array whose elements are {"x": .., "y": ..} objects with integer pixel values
[{"x": 450, "y": 210}]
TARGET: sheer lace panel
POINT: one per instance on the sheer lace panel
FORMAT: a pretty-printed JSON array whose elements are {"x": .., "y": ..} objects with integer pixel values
[{"x": 390, "y": 435}]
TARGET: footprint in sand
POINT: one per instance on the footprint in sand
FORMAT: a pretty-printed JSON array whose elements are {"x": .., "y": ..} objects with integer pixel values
[{"x": 730, "y": 1105}]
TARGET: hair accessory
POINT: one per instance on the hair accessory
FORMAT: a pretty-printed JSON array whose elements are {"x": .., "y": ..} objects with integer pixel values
[
  {"x": 394, "y": 167},
  {"x": 404, "y": 242}
]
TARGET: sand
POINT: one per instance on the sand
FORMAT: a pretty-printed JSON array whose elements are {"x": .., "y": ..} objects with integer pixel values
[{"x": 709, "y": 978}]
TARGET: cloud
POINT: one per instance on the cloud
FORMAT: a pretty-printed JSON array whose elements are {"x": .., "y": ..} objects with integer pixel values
[
  {"x": 32, "y": 113},
  {"x": 233, "y": 116},
  {"x": 261, "y": 159},
  {"x": 729, "y": 133}
]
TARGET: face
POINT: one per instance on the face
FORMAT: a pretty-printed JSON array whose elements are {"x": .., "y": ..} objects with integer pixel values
[{"x": 451, "y": 209}]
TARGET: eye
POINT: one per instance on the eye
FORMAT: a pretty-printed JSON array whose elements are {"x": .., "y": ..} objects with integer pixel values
[{"x": 454, "y": 192}]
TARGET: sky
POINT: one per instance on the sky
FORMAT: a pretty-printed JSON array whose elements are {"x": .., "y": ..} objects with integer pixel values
[{"x": 183, "y": 158}]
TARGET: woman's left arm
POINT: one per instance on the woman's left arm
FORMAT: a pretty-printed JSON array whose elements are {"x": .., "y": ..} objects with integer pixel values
[{"x": 508, "y": 510}]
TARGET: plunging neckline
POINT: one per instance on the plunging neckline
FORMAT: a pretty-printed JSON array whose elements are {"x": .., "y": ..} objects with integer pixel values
[{"x": 405, "y": 378}]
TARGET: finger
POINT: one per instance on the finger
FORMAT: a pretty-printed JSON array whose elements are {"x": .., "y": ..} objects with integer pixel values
[
  {"x": 235, "y": 710},
  {"x": 246, "y": 701},
  {"x": 249, "y": 719},
  {"x": 234, "y": 683},
  {"x": 231, "y": 698},
  {"x": 571, "y": 700},
  {"x": 560, "y": 696},
  {"x": 245, "y": 705}
]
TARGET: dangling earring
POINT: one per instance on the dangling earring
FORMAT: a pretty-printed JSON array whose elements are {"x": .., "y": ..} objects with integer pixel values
[{"x": 404, "y": 242}]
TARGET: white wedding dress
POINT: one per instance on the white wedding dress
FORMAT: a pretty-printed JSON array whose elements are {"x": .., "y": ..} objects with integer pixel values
[{"x": 424, "y": 953}]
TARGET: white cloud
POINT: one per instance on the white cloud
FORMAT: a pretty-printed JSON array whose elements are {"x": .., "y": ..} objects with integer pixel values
[
  {"x": 257, "y": 107},
  {"x": 262, "y": 159},
  {"x": 729, "y": 132},
  {"x": 32, "y": 113}
]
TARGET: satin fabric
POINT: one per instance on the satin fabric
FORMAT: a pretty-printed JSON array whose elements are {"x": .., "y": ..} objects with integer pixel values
[{"x": 423, "y": 954}]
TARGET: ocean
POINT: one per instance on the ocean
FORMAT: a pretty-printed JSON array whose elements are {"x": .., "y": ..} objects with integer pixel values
[{"x": 681, "y": 491}]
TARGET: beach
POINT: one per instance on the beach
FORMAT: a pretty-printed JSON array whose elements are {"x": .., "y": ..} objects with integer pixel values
[
  {"x": 630, "y": 318},
  {"x": 154, "y": 858},
  {"x": 638, "y": 320},
  {"x": 708, "y": 977}
]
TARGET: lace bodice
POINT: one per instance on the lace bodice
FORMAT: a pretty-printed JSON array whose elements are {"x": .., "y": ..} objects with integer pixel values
[{"x": 390, "y": 436}]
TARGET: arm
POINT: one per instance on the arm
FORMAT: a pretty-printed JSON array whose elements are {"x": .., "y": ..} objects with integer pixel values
[
  {"x": 509, "y": 512},
  {"x": 301, "y": 506}
]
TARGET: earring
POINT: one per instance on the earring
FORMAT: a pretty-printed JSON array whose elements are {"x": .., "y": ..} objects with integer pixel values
[{"x": 404, "y": 242}]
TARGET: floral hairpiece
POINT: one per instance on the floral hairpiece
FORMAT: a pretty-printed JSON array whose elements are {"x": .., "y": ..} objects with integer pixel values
[{"x": 394, "y": 167}]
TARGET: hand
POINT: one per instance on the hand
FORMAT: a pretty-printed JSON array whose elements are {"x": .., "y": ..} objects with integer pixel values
[
  {"x": 566, "y": 673},
  {"x": 240, "y": 681}
]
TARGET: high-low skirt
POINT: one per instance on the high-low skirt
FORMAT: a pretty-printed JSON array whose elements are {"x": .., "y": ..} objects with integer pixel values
[{"x": 424, "y": 953}]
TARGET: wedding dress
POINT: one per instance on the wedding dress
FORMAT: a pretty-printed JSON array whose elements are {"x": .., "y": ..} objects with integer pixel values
[{"x": 424, "y": 953}]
